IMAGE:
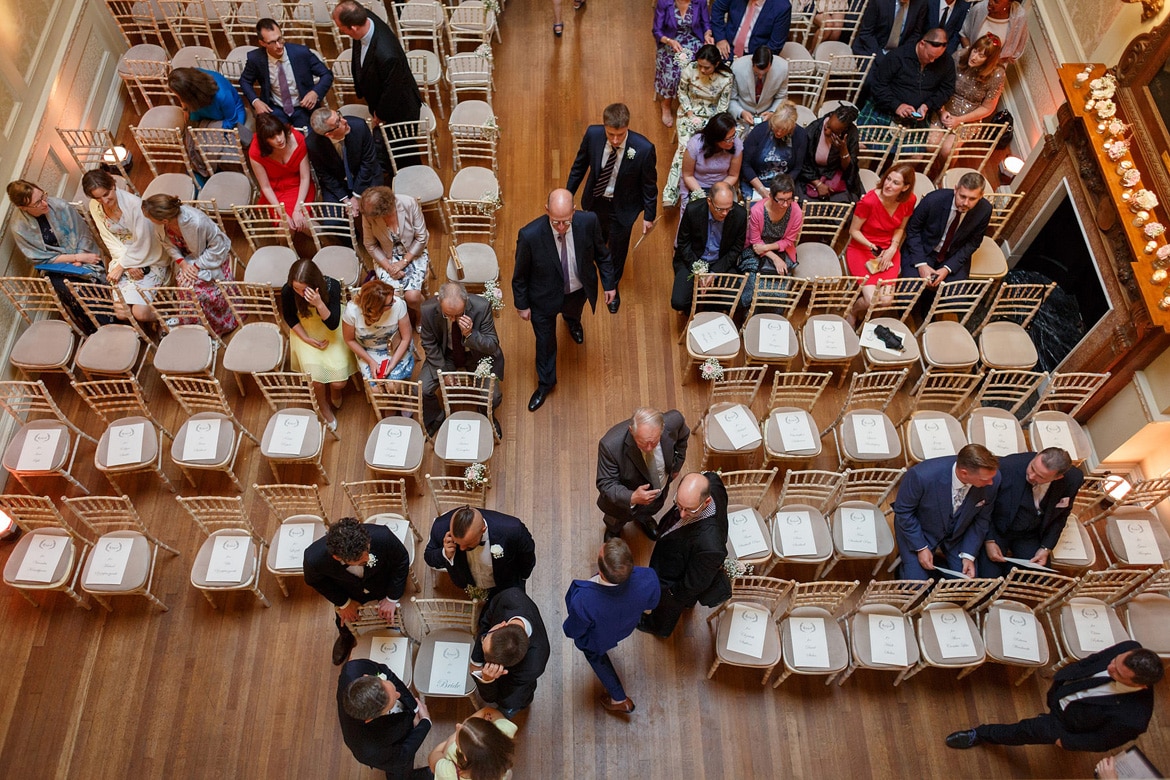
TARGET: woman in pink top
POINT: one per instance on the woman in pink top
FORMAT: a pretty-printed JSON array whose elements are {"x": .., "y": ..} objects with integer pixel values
[{"x": 773, "y": 229}]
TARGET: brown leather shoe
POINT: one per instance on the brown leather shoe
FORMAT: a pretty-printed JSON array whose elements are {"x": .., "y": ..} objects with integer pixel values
[
  {"x": 626, "y": 706},
  {"x": 341, "y": 648}
]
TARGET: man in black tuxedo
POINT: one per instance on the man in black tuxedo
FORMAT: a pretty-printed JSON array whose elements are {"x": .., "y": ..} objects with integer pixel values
[
  {"x": 292, "y": 79},
  {"x": 341, "y": 150},
  {"x": 1036, "y": 495},
  {"x": 353, "y": 564},
  {"x": 622, "y": 183},
  {"x": 1097, "y": 704},
  {"x": 946, "y": 228},
  {"x": 381, "y": 722},
  {"x": 481, "y": 548},
  {"x": 712, "y": 230},
  {"x": 876, "y": 33},
  {"x": 511, "y": 651},
  {"x": 689, "y": 555},
  {"x": 637, "y": 459},
  {"x": 949, "y": 16},
  {"x": 558, "y": 260}
]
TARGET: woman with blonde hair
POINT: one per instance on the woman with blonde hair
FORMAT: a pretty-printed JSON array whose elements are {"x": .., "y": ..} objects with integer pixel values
[
  {"x": 395, "y": 234},
  {"x": 369, "y": 324}
]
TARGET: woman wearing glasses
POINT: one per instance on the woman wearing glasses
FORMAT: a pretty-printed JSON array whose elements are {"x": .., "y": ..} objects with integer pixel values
[{"x": 715, "y": 154}]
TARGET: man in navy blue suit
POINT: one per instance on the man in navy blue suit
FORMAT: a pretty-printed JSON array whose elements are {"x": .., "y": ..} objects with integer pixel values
[
  {"x": 616, "y": 192},
  {"x": 943, "y": 509},
  {"x": 1036, "y": 495},
  {"x": 876, "y": 33},
  {"x": 766, "y": 23},
  {"x": 558, "y": 260},
  {"x": 948, "y": 15},
  {"x": 946, "y": 228},
  {"x": 292, "y": 79},
  {"x": 490, "y": 550}
]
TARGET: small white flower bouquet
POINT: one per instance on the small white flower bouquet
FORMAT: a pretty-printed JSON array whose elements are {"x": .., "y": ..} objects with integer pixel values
[
  {"x": 494, "y": 296},
  {"x": 711, "y": 369},
  {"x": 477, "y": 475},
  {"x": 735, "y": 568}
]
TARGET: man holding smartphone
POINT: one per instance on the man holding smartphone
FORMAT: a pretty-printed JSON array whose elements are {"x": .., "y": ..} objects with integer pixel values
[{"x": 911, "y": 82}]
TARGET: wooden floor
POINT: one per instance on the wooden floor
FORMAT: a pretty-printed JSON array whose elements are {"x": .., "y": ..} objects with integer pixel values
[{"x": 249, "y": 692}]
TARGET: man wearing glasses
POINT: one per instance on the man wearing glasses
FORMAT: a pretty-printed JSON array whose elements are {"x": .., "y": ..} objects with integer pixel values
[
  {"x": 341, "y": 151},
  {"x": 712, "y": 230},
  {"x": 912, "y": 82},
  {"x": 689, "y": 555},
  {"x": 292, "y": 79}
]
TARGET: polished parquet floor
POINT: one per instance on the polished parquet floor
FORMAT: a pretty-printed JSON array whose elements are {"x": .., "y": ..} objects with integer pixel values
[{"x": 245, "y": 691}]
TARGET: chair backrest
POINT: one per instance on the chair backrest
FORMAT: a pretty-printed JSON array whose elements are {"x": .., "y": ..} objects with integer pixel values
[
  {"x": 1093, "y": 494},
  {"x": 737, "y": 385},
  {"x": 284, "y": 501},
  {"x": 895, "y": 298},
  {"x": 776, "y": 295},
  {"x": 872, "y": 485},
  {"x": 833, "y": 295},
  {"x": 342, "y": 68},
  {"x": 300, "y": 30},
  {"x": 1111, "y": 585},
  {"x": 469, "y": 72},
  {"x": 874, "y": 144},
  {"x": 824, "y": 222},
  {"x": 215, "y": 513},
  {"x": 149, "y": 78},
  {"x": 263, "y": 224},
  {"x": 813, "y": 487},
  {"x": 1003, "y": 205},
  {"x": 408, "y": 139},
  {"x": 437, "y": 614},
  {"x": 944, "y": 392},
  {"x": 238, "y": 18},
  {"x": 902, "y": 594},
  {"x": 1008, "y": 388},
  {"x": 965, "y": 594},
  {"x": 211, "y": 209},
  {"x": 453, "y": 492},
  {"x": 844, "y": 20},
  {"x": 1069, "y": 392},
  {"x": 188, "y": 22},
  {"x": 960, "y": 299},
  {"x": 179, "y": 305},
  {"x": 768, "y": 592},
  {"x": 1147, "y": 493},
  {"x": 113, "y": 398},
  {"x": 471, "y": 221},
  {"x": 847, "y": 74},
  {"x": 829, "y": 595},
  {"x": 806, "y": 81},
  {"x": 26, "y": 400},
  {"x": 332, "y": 221},
  {"x": 33, "y": 512},
  {"x": 800, "y": 389},
  {"x": 135, "y": 21},
  {"x": 198, "y": 394},
  {"x": 873, "y": 389},
  {"x": 464, "y": 391},
  {"x": 974, "y": 143},
  {"x": 287, "y": 390},
  {"x": 918, "y": 147},
  {"x": 476, "y": 144},
  {"x": 748, "y": 487},
  {"x": 1159, "y": 582},
  {"x": 101, "y": 302},
  {"x": 1017, "y": 303},
  {"x": 377, "y": 497},
  {"x": 32, "y": 296},
  {"x": 395, "y": 396},
  {"x": 217, "y": 147},
  {"x": 93, "y": 148},
  {"x": 1036, "y": 589},
  {"x": 717, "y": 292},
  {"x": 103, "y": 514},
  {"x": 251, "y": 302}
]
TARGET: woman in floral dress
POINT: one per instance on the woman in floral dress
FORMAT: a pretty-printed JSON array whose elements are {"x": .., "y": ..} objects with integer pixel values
[
  {"x": 704, "y": 90},
  {"x": 680, "y": 28}
]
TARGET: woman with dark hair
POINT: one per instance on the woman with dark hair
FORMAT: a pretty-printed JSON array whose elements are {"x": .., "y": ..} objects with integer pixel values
[
  {"x": 481, "y": 748},
  {"x": 979, "y": 82},
  {"x": 1005, "y": 19},
  {"x": 311, "y": 305},
  {"x": 137, "y": 260},
  {"x": 395, "y": 234},
  {"x": 280, "y": 161},
  {"x": 830, "y": 160},
  {"x": 772, "y": 149},
  {"x": 680, "y": 28},
  {"x": 876, "y": 232},
  {"x": 369, "y": 324},
  {"x": 209, "y": 99},
  {"x": 704, "y": 90},
  {"x": 715, "y": 154},
  {"x": 201, "y": 253},
  {"x": 774, "y": 225}
]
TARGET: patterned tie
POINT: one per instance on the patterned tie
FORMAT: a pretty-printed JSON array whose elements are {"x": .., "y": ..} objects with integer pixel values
[
  {"x": 896, "y": 31},
  {"x": 458, "y": 352},
  {"x": 606, "y": 172},
  {"x": 286, "y": 101},
  {"x": 564, "y": 261},
  {"x": 759, "y": 87},
  {"x": 957, "y": 499},
  {"x": 946, "y": 244}
]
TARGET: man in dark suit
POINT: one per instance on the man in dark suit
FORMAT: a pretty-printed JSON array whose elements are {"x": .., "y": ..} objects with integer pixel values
[
  {"x": 481, "y": 548},
  {"x": 948, "y": 15},
  {"x": 341, "y": 150},
  {"x": 353, "y": 564},
  {"x": 511, "y": 651},
  {"x": 637, "y": 459},
  {"x": 292, "y": 79},
  {"x": 946, "y": 228},
  {"x": 381, "y": 74},
  {"x": 1036, "y": 494},
  {"x": 622, "y": 183},
  {"x": 711, "y": 230},
  {"x": 876, "y": 33},
  {"x": 381, "y": 722},
  {"x": 689, "y": 555},
  {"x": 558, "y": 259},
  {"x": 943, "y": 509},
  {"x": 742, "y": 26},
  {"x": 1097, "y": 704}
]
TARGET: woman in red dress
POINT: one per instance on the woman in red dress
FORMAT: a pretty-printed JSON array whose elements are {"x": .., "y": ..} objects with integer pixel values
[
  {"x": 281, "y": 165},
  {"x": 879, "y": 225}
]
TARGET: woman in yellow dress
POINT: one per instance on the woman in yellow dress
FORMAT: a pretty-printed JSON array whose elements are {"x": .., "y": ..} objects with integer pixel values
[{"x": 480, "y": 749}]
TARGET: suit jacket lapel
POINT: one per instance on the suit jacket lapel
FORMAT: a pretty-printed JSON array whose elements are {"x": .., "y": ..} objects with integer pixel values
[{"x": 635, "y": 455}]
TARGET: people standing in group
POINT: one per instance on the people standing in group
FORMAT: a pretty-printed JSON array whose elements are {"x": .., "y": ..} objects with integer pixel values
[
  {"x": 382, "y": 723},
  {"x": 482, "y": 549},
  {"x": 680, "y": 28},
  {"x": 511, "y": 651},
  {"x": 482, "y": 748},
  {"x": 637, "y": 459}
]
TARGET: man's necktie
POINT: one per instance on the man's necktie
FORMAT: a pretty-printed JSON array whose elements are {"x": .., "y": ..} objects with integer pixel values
[
  {"x": 896, "y": 31},
  {"x": 606, "y": 172},
  {"x": 946, "y": 244},
  {"x": 564, "y": 261},
  {"x": 458, "y": 351},
  {"x": 946, "y": 15},
  {"x": 286, "y": 101},
  {"x": 759, "y": 87},
  {"x": 957, "y": 498},
  {"x": 655, "y": 482}
]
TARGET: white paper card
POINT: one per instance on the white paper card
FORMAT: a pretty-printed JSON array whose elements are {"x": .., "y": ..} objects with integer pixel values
[
  {"x": 795, "y": 432},
  {"x": 858, "y": 530},
  {"x": 1070, "y": 546},
  {"x": 463, "y": 440},
  {"x": 1056, "y": 433},
  {"x": 125, "y": 444},
  {"x": 869, "y": 340},
  {"x": 887, "y": 640},
  {"x": 1093, "y": 630},
  {"x": 870, "y": 431},
  {"x": 228, "y": 556},
  {"x": 1024, "y": 563},
  {"x": 1020, "y": 639},
  {"x": 796, "y": 533},
  {"x": 810, "y": 643},
  {"x": 37, "y": 452},
  {"x": 393, "y": 441},
  {"x": 108, "y": 561},
  {"x": 1139, "y": 541},
  {"x": 294, "y": 538},
  {"x": 1000, "y": 436},
  {"x": 744, "y": 534},
  {"x": 953, "y": 633},
  {"x": 934, "y": 438},
  {"x": 749, "y": 625},
  {"x": 775, "y": 337},
  {"x": 714, "y": 333},
  {"x": 288, "y": 434},
  {"x": 740, "y": 425},
  {"x": 42, "y": 557},
  {"x": 829, "y": 338},
  {"x": 392, "y": 651},
  {"x": 449, "y": 667},
  {"x": 202, "y": 436}
]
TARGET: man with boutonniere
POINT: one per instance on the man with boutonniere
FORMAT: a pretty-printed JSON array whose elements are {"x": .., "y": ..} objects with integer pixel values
[
  {"x": 381, "y": 721},
  {"x": 354, "y": 564},
  {"x": 481, "y": 549},
  {"x": 510, "y": 651}
]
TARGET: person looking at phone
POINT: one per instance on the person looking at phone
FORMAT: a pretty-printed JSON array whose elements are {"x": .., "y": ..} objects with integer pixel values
[
  {"x": 945, "y": 230},
  {"x": 911, "y": 82}
]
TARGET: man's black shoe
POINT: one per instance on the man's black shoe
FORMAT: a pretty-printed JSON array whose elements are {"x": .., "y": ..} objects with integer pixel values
[
  {"x": 537, "y": 399},
  {"x": 341, "y": 648},
  {"x": 614, "y": 304},
  {"x": 961, "y": 740},
  {"x": 577, "y": 332}
]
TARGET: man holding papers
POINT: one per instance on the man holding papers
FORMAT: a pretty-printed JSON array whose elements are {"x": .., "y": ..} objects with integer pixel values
[
  {"x": 510, "y": 652},
  {"x": 353, "y": 564},
  {"x": 1097, "y": 704},
  {"x": 943, "y": 509},
  {"x": 1036, "y": 494},
  {"x": 482, "y": 549},
  {"x": 381, "y": 722}
]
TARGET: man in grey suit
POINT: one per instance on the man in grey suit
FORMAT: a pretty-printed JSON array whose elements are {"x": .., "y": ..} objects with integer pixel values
[
  {"x": 637, "y": 459},
  {"x": 759, "y": 83},
  {"x": 457, "y": 331}
]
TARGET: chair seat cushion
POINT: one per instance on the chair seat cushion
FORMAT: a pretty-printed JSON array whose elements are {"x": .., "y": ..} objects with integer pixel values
[
  {"x": 141, "y": 52},
  {"x": 838, "y": 650},
  {"x": 751, "y": 338},
  {"x": 187, "y": 349},
  {"x": 113, "y": 349},
  {"x": 339, "y": 262},
  {"x": 38, "y": 429},
  {"x": 274, "y": 548},
  {"x": 269, "y": 265},
  {"x": 770, "y": 656},
  {"x": 1003, "y": 424},
  {"x": 716, "y": 439},
  {"x": 855, "y": 510},
  {"x": 419, "y": 181},
  {"x": 1093, "y": 609},
  {"x": 940, "y": 423},
  {"x": 28, "y": 543},
  {"x": 1007, "y": 345},
  {"x": 809, "y": 342},
  {"x": 472, "y": 182},
  {"x": 949, "y": 345},
  {"x": 932, "y": 650},
  {"x": 988, "y": 261},
  {"x": 164, "y": 117},
  {"x": 881, "y": 358},
  {"x": 1057, "y": 560},
  {"x": 1045, "y": 425},
  {"x": 203, "y": 559},
  {"x": 224, "y": 443},
  {"x": 149, "y": 445},
  {"x": 1148, "y": 617},
  {"x": 486, "y": 437},
  {"x": 822, "y": 538},
  {"x": 1132, "y": 515},
  {"x": 310, "y": 445},
  {"x": 479, "y": 264},
  {"x": 415, "y": 448},
  {"x": 256, "y": 347},
  {"x": 861, "y": 636},
  {"x": 993, "y": 635},
  {"x": 178, "y": 184},
  {"x": 723, "y": 352},
  {"x": 137, "y": 565},
  {"x": 815, "y": 260},
  {"x": 426, "y": 656},
  {"x": 227, "y": 189},
  {"x": 46, "y": 344},
  {"x": 789, "y": 415},
  {"x": 471, "y": 112},
  {"x": 867, "y": 418}
]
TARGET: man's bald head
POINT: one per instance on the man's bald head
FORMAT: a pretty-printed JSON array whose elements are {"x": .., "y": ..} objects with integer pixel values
[{"x": 694, "y": 491}]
